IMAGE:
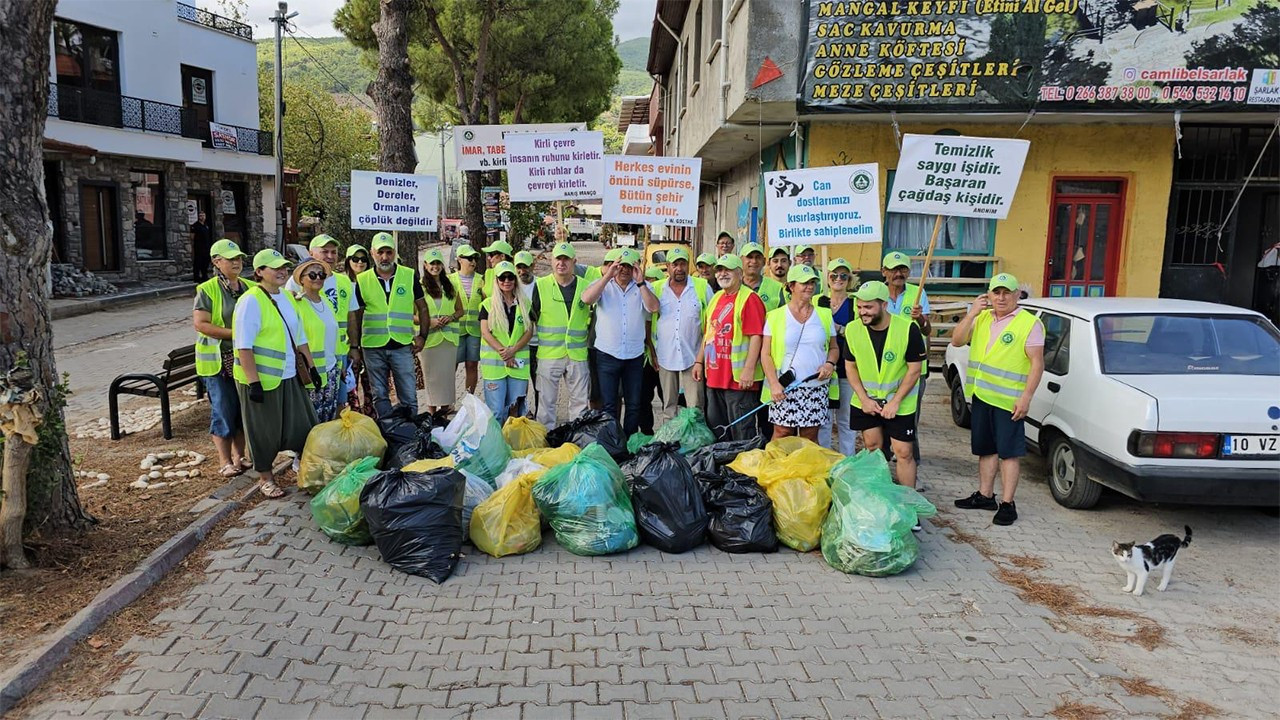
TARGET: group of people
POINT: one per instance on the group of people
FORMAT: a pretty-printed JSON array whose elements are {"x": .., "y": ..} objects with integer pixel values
[{"x": 727, "y": 334}]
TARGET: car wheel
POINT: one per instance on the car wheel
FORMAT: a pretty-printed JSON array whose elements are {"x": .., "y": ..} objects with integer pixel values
[
  {"x": 959, "y": 406},
  {"x": 1067, "y": 481}
]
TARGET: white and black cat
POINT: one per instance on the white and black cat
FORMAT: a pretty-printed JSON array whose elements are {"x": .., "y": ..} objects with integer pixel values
[{"x": 1139, "y": 560}]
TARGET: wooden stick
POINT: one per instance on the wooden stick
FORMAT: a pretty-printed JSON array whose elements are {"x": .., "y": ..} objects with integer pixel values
[{"x": 928, "y": 258}]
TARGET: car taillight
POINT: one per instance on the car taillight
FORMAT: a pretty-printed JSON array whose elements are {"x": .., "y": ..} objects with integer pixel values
[{"x": 1174, "y": 444}]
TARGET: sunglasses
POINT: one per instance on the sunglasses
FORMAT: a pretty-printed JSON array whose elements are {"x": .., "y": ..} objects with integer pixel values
[
  {"x": 840, "y": 276},
  {"x": 316, "y": 275},
  {"x": 359, "y": 259},
  {"x": 507, "y": 278}
]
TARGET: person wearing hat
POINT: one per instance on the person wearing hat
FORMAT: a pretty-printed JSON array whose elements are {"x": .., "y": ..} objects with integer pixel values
[
  {"x": 804, "y": 255},
  {"x": 883, "y": 357},
  {"x": 494, "y": 253},
  {"x": 212, "y": 316},
  {"x": 779, "y": 265},
  {"x": 1006, "y": 361},
  {"x": 439, "y": 355},
  {"x": 705, "y": 265},
  {"x": 524, "y": 262},
  {"x": 272, "y": 358},
  {"x": 470, "y": 286},
  {"x": 839, "y": 301},
  {"x": 799, "y": 343},
  {"x": 909, "y": 301},
  {"x": 675, "y": 331},
  {"x": 506, "y": 329},
  {"x": 561, "y": 319},
  {"x": 770, "y": 290},
  {"x": 622, "y": 308},
  {"x": 725, "y": 244},
  {"x": 322, "y": 330},
  {"x": 390, "y": 295},
  {"x": 339, "y": 291},
  {"x": 729, "y": 352}
]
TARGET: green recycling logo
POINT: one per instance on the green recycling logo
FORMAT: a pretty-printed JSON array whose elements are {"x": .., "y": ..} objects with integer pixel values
[
  {"x": 860, "y": 182},
  {"x": 1007, "y": 338},
  {"x": 399, "y": 291},
  {"x": 890, "y": 356}
]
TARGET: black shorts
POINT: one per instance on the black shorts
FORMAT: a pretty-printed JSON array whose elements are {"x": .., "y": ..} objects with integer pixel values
[
  {"x": 993, "y": 431},
  {"x": 901, "y": 428}
]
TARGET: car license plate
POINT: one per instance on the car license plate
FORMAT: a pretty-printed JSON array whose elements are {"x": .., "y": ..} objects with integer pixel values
[{"x": 1250, "y": 445}]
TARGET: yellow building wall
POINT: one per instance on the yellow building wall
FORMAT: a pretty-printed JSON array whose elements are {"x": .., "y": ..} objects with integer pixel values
[{"x": 1141, "y": 155}]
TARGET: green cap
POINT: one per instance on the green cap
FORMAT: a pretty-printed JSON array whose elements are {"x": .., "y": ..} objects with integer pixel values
[
  {"x": 839, "y": 263},
  {"x": 433, "y": 255},
  {"x": 801, "y": 274},
  {"x": 800, "y": 250},
  {"x": 677, "y": 253},
  {"x": 873, "y": 290},
  {"x": 896, "y": 259},
  {"x": 503, "y": 268},
  {"x": 1003, "y": 280},
  {"x": 383, "y": 240},
  {"x": 706, "y": 259},
  {"x": 654, "y": 273},
  {"x": 269, "y": 259},
  {"x": 731, "y": 261},
  {"x": 524, "y": 257},
  {"x": 353, "y": 249},
  {"x": 613, "y": 255},
  {"x": 564, "y": 249},
  {"x": 467, "y": 251},
  {"x": 751, "y": 247},
  {"x": 498, "y": 246},
  {"x": 780, "y": 249},
  {"x": 228, "y": 249},
  {"x": 726, "y": 233},
  {"x": 322, "y": 240},
  {"x": 629, "y": 257}
]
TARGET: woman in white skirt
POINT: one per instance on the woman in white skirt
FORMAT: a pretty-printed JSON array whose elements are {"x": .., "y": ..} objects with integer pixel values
[
  {"x": 440, "y": 351},
  {"x": 799, "y": 345}
]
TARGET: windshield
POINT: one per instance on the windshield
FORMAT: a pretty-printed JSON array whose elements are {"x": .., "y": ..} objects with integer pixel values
[{"x": 1187, "y": 345}]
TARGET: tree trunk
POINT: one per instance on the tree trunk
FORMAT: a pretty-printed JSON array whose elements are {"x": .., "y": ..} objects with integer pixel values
[
  {"x": 474, "y": 210},
  {"x": 26, "y": 243},
  {"x": 392, "y": 93}
]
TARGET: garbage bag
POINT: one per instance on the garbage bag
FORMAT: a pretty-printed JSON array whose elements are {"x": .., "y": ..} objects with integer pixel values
[
  {"x": 793, "y": 471},
  {"x": 637, "y": 441},
  {"x": 416, "y": 520},
  {"x": 521, "y": 433},
  {"x": 425, "y": 465},
  {"x": 550, "y": 457},
  {"x": 709, "y": 457},
  {"x": 592, "y": 426},
  {"x": 336, "y": 508},
  {"x": 333, "y": 445},
  {"x": 689, "y": 428},
  {"x": 586, "y": 502},
  {"x": 668, "y": 502},
  {"x": 399, "y": 430},
  {"x": 477, "y": 491},
  {"x": 868, "y": 530},
  {"x": 474, "y": 439},
  {"x": 873, "y": 468},
  {"x": 516, "y": 468},
  {"x": 740, "y": 512},
  {"x": 508, "y": 523}
]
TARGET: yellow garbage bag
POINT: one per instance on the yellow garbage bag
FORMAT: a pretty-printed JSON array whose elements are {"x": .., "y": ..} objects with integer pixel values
[
  {"x": 333, "y": 445},
  {"x": 749, "y": 462},
  {"x": 550, "y": 457},
  {"x": 793, "y": 472},
  {"x": 418, "y": 466},
  {"x": 522, "y": 433},
  {"x": 508, "y": 522}
]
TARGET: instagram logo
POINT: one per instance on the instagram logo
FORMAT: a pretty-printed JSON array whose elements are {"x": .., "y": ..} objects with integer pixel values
[{"x": 1130, "y": 73}]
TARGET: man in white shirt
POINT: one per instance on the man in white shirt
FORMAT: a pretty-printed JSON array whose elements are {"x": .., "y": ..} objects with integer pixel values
[
  {"x": 623, "y": 306},
  {"x": 676, "y": 332}
]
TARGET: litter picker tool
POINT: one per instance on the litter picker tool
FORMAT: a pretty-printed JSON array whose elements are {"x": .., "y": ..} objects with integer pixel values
[{"x": 722, "y": 429}]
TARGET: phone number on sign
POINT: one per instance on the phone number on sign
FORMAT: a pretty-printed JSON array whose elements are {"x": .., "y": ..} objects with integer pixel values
[{"x": 1141, "y": 93}]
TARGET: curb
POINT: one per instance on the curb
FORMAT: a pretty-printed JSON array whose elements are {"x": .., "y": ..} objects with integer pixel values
[
  {"x": 37, "y": 665},
  {"x": 85, "y": 307}
]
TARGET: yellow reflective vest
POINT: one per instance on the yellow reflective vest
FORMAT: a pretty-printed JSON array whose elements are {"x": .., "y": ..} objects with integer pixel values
[
  {"x": 999, "y": 376},
  {"x": 386, "y": 318}
]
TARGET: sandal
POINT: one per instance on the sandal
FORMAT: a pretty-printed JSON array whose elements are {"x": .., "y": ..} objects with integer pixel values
[
  {"x": 270, "y": 490},
  {"x": 246, "y": 463},
  {"x": 230, "y": 470}
]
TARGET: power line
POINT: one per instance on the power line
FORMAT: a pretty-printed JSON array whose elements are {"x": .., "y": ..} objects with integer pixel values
[{"x": 322, "y": 66}]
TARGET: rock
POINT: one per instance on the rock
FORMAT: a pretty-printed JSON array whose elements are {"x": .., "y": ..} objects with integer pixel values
[
  {"x": 139, "y": 484},
  {"x": 195, "y": 473},
  {"x": 104, "y": 477},
  {"x": 154, "y": 474},
  {"x": 169, "y": 474},
  {"x": 158, "y": 486},
  {"x": 164, "y": 456},
  {"x": 182, "y": 473}
]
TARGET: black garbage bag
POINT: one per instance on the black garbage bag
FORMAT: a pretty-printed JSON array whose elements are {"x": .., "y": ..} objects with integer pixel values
[
  {"x": 398, "y": 429},
  {"x": 592, "y": 426},
  {"x": 416, "y": 520},
  {"x": 708, "y": 459},
  {"x": 409, "y": 437},
  {"x": 741, "y": 514},
  {"x": 668, "y": 502},
  {"x": 423, "y": 447}
]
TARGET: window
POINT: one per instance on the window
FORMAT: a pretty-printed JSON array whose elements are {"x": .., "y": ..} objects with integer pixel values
[
  {"x": 684, "y": 77},
  {"x": 1187, "y": 345},
  {"x": 717, "y": 14},
  {"x": 86, "y": 57},
  {"x": 1057, "y": 343},
  {"x": 150, "y": 238},
  {"x": 909, "y": 232},
  {"x": 697, "y": 35}
]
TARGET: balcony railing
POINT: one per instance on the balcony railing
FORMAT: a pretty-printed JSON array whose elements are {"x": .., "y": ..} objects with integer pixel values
[
  {"x": 97, "y": 107},
  {"x": 191, "y": 13}
]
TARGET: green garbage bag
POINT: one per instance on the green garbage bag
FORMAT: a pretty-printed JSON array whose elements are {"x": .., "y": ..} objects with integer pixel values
[
  {"x": 637, "y": 441},
  {"x": 868, "y": 529},
  {"x": 336, "y": 508},
  {"x": 587, "y": 504},
  {"x": 689, "y": 428}
]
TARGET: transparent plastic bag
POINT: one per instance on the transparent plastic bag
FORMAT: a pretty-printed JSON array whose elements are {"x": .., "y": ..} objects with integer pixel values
[
  {"x": 637, "y": 441},
  {"x": 333, "y": 445},
  {"x": 477, "y": 491},
  {"x": 868, "y": 530},
  {"x": 521, "y": 433},
  {"x": 475, "y": 440},
  {"x": 689, "y": 428},
  {"x": 517, "y": 467},
  {"x": 508, "y": 523},
  {"x": 586, "y": 502},
  {"x": 336, "y": 508}
]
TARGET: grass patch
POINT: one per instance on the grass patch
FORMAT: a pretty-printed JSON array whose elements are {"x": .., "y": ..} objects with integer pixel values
[{"x": 1075, "y": 710}]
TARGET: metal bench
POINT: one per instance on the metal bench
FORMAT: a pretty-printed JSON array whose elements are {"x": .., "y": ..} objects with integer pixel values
[{"x": 178, "y": 372}]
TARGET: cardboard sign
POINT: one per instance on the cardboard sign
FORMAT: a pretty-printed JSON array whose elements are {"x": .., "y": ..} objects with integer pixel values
[
  {"x": 651, "y": 191},
  {"x": 957, "y": 176},
  {"x": 481, "y": 147},
  {"x": 223, "y": 137},
  {"x": 823, "y": 206},
  {"x": 555, "y": 166},
  {"x": 394, "y": 201}
]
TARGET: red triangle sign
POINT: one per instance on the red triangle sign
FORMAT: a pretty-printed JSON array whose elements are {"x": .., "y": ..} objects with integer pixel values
[{"x": 768, "y": 73}]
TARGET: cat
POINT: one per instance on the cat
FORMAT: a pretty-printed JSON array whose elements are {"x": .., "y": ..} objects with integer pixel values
[{"x": 1139, "y": 560}]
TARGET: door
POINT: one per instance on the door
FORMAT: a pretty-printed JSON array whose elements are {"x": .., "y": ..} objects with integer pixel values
[
  {"x": 1084, "y": 238},
  {"x": 197, "y": 96},
  {"x": 100, "y": 228},
  {"x": 1057, "y": 360}
]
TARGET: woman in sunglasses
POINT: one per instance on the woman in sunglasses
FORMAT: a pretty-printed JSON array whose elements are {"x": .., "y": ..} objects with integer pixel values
[
  {"x": 840, "y": 278},
  {"x": 505, "y": 330},
  {"x": 321, "y": 326}
]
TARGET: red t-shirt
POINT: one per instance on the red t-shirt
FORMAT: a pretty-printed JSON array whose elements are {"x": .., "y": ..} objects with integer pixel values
[{"x": 718, "y": 360}]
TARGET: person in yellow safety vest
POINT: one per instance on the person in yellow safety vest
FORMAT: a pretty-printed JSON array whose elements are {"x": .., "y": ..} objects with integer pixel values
[
  {"x": 561, "y": 319},
  {"x": 1006, "y": 361},
  {"x": 622, "y": 304},
  {"x": 799, "y": 341},
  {"x": 804, "y": 255},
  {"x": 439, "y": 355},
  {"x": 390, "y": 296},
  {"x": 771, "y": 291},
  {"x": 340, "y": 293},
  {"x": 705, "y": 266},
  {"x": 506, "y": 329},
  {"x": 215, "y": 302},
  {"x": 912, "y": 302},
  {"x": 839, "y": 300},
  {"x": 470, "y": 285},
  {"x": 494, "y": 253},
  {"x": 729, "y": 353},
  {"x": 524, "y": 262},
  {"x": 675, "y": 332},
  {"x": 271, "y": 351},
  {"x": 883, "y": 356},
  {"x": 321, "y": 326},
  {"x": 779, "y": 266}
]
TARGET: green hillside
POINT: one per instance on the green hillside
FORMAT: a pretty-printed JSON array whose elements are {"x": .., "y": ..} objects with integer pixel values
[
  {"x": 633, "y": 79},
  {"x": 336, "y": 53}
]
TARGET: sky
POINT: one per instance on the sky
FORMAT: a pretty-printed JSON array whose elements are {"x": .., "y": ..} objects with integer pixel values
[{"x": 315, "y": 17}]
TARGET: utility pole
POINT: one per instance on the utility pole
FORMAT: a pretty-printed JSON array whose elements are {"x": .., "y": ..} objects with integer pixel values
[
  {"x": 444, "y": 179},
  {"x": 281, "y": 17}
]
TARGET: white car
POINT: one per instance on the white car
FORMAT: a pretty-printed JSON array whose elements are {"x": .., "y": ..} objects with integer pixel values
[{"x": 1161, "y": 400}]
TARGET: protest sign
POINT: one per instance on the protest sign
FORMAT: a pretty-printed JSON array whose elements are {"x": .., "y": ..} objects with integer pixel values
[
  {"x": 481, "y": 147},
  {"x": 957, "y": 175},
  {"x": 394, "y": 201},
  {"x": 651, "y": 191},
  {"x": 823, "y": 206},
  {"x": 555, "y": 166}
]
